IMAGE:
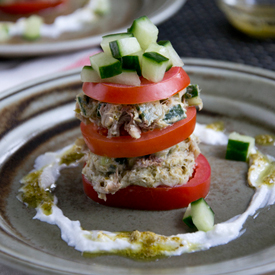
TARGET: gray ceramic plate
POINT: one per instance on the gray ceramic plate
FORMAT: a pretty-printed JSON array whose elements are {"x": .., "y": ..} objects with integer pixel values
[
  {"x": 123, "y": 12},
  {"x": 39, "y": 117}
]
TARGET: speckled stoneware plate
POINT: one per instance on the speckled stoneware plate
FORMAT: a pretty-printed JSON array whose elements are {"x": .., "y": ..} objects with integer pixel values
[
  {"x": 39, "y": 117},
  {"x": 122, "y": 14}
]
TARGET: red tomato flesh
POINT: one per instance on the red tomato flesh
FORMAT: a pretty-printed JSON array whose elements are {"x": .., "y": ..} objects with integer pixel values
[
  {"x": 159, "y": 198},
  {"x": 29, "y": 6},
  {"x": 149, "y": 142},
  {"x": 175, "y": 80}
]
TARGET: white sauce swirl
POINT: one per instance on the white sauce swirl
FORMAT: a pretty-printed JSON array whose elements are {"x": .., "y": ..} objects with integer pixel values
[
  {"x": 66, "y": 23},
  {"x": 95, "y": 241}
]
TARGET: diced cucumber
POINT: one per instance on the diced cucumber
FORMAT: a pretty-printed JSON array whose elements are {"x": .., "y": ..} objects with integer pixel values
[
  {"x": 153, "y": 66},
  {"x": 106, "y": 65},
  {"x": 195, "y": 101},
  {"x": 187, "y": 217},
  {"x": 175, "y": 114},
  {"x": 202, "y": 215},
  {"x": 102, "y": 7},
  {"x": 83, "y": 101},
  {"x": 112, "y": 37},
  {"x": 4, "y": 31},
  {"x": 173, "y": 56},
  {"x": 192, "y": 96},
  {"x": 192, "y": 90},
  {"x": 88, "y": 74},
  {"x": 154, "y": 47},
  {"x": 32, "y": 27},
  {"x": 127, "y": 77},
  {"x": 239, "y": 147},
  {"x": 132, "y": 61},
  {"x": 145, "y": 31},
  {"x": 124, "y": 46}
]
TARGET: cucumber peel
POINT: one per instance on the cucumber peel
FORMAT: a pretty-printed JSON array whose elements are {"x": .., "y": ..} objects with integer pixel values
[
  {"x": 200, "y": 215},
  {"x": 239, "y": 147}
]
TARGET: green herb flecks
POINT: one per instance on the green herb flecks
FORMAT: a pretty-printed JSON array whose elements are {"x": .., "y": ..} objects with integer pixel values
[{"x": 34, "y": 195}]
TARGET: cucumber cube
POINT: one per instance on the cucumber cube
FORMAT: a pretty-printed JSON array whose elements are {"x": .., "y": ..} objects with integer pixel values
[
  {"x": 105, "y": 65},
  {"x": 132, "y": 61},
  {"x": 145, "y": 31},
  {"x": 154, "y": 47},
  {"x": 192, "y": 90},
  {"x": 127, "y": 77},
  {"x": 112, "y": 37},
  {"x": 173, "y": 56},
  {"x": 102, "y": 7},
  {"x": 175, "y": 114},
  {"x": 124, "y": 46},
  {"x": 202, "y": 215},
  {"x": 239, "y": 147},
  {"x": 187, "y": 217},
  {"x": 32, "y": 27},
  {"x": 153, "y": 66},
  {"x": 88, "y": 74}
]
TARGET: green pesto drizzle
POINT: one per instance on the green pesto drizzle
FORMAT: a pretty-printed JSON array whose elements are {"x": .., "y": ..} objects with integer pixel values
[
  {"x": 216, "y": 126},
  {"x": 33, "y": 195},
  {"x": 72, "y": 155},
  {"x": 149, "y": 245},
  {"x": 269, "y": 175},
  {"x": 265, "y": 139}
]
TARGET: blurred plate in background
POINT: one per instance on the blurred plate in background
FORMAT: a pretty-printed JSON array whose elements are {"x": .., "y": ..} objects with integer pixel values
[{"x": 122, "y": 13}]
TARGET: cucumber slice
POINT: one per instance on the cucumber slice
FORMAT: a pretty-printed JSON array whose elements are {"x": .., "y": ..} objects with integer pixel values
[
  {"x": 175, "y": 114},
  {"x": 192, "y": 96},
  {"x": 32, "y": 27},
  {"x": 83, "y": 101},
  {"x": 202, "y": 215},
  {"x": 195, "y": 101},
  {"x": 105, "y": 65},
  {"x": 187, "y": 217},
  {"x": 153, "y": 66},
  {"x": 124, "y": 46},
  {"x": 88, "y": 74},
  {"x": 132, "y": 61},
  {"x": 173, "y": 56},
  {"x": 192, "y": 90},
  {"x": 239, "y": 147},
  {"x": 154, "y": 47},
  {"x": 127, "y": 77},
  {"x": 145, "y": 31},
  {"x": 112, "y": 37}
]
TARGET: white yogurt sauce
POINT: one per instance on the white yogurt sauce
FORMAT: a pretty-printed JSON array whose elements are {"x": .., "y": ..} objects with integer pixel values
[
  {"x": 210, "y": 136},
  {"x": 66, "y": 23},
  {"x": 96, "y": 241}
]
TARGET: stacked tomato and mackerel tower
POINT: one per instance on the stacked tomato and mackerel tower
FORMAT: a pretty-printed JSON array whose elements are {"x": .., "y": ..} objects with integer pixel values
[{"x": 138, "y": 114}]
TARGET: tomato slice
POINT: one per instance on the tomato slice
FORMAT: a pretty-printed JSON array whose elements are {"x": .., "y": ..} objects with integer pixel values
[
  {"x": 159, "y": 198},
  {"x": 149, "y": 142},
  {"x": 174, "y": 81},
  {"x": 29, "y": 6}
]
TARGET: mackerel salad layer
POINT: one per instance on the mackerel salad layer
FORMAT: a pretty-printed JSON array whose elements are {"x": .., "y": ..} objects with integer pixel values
[{"x": 170, "y": 167}]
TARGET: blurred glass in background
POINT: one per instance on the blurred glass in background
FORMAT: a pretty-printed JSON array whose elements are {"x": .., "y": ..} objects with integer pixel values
[{"x": 255, "y": 18}]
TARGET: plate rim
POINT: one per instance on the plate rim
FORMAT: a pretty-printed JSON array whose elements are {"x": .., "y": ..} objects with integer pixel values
[{"x": 264, "y": 266}]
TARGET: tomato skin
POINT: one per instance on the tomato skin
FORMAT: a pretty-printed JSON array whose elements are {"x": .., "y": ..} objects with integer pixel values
[
  {"x": 159, "y": 198},
  {"x": 149, "y": 142},
  {"x": 175, "y": 80},
  {"x": 27, "y": 7}
]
